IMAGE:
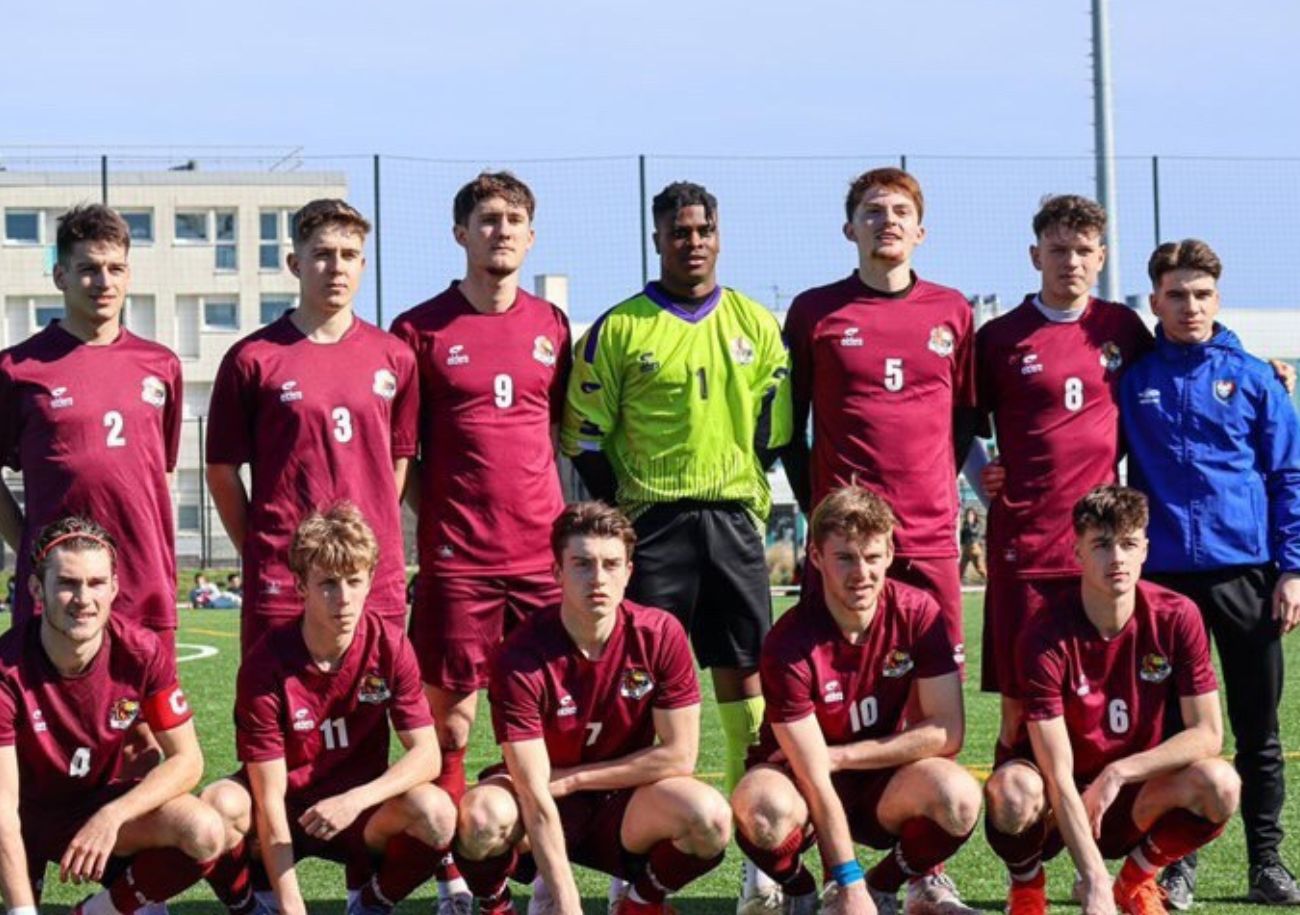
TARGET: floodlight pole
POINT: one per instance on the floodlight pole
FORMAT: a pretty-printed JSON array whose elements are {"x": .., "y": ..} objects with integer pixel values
[{"x": 1104, "y": 146}]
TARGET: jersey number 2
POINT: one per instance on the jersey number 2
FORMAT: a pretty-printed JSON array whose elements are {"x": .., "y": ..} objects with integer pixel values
[{"x": 113, "y": 422}]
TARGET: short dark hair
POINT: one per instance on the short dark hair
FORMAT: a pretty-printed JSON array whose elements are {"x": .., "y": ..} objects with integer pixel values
[
  {"x": 1188, "y": 254},
  {"x": 72, "y": 532},
  {"x": 327, "y": 211},
  {"x": 1111, "y": 507},
  {"x": 591, "y": 519},
  {"x": 337, "y": 540},
  {"x": 90, "y": 222},
  {"x": 681, "y": 194},
  {"x": 1069, "y": 211},
  {"x": 891, "y": 179},
  {"x": 854, "y": 512},
  {"x": 488, "y": 185}
]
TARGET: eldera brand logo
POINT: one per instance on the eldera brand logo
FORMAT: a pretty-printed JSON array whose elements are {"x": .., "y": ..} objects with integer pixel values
[
  {"x": 289, "y": 392},
  {"x": 852, "y": 337},
  {"x": 302, "y": 720},
  {"x": 60, "y": 398},
  {"x": 457, "y": 355},
  {"x": 567, "y": 707},
  {"x": 832, "y": 692}
]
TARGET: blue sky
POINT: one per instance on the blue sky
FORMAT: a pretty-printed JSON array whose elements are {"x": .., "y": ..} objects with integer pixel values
[{"x": 565, "y": 78}]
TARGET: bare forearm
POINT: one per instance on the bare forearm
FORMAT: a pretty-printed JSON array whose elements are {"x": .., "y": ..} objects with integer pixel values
[
  {"x": 411, "y": 494},
  {"x": 231, "y": 499},
  {"x": 542, "y": 823},
  {"x": 176, "y": 775},
  {"x": 418, "y": 766},
  {"x": 921, "y": 741},
  {"x": 277, "y": 856},
  {"x": 829, "y": 820},
  {"x": 1072, "y": 821},
  {"x": 643, "y": 767},
  {"x": 11, "y": 519},
  {"x": 1178, "y": 752},
  {"x": 14, "y": 882}
]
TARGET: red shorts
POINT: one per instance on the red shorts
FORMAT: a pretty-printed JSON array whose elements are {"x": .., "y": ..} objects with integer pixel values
[
  {"x": 593, "y": 831},
  {"x": 1009, "y": 606},
  {"x": 940, "y": 578},
  {"x": 1119, "y": 834},
  {"x": 347, "y": 848},
  {"x": 47, "y": 830},
  {"x": 458, "y": 619}
]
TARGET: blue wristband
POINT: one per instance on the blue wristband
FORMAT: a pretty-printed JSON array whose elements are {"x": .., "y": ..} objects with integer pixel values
[{"x": 847, "y": 873}]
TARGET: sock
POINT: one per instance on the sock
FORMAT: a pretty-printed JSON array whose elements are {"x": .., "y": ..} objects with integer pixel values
[
  {"x": 407, "y": 864},
  {"x": 452, "y": 777},
  {"x": 922, "y": 844},
  {"x": 488, "y": 877},
  {"x": 668, "y": 869},
  {"x": 156, "y": 875},
  {"x": 740, "y": 723},
  {"x": 1021, "y": 853},
  {"x": 231, "y": 879},
  {"x": 447, "y": 875},
  {"x": 783, "y": 863},
  {"x": 1177, "y": 833}
]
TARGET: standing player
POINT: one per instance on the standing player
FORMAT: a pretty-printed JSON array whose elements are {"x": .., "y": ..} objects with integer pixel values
[
  {"x": 312, "y": 713},
  {"x": 74, "y": 684},
  {"x": 837, "y": 763},
  {"x": 91, "y": 415},
  {"x": 1049, "y": 375},
  {"x": 1100, "y": 672},
  {"x": 321, "y": 406},
  {"x": 885, "y": 361},
  {"x": 597, "y": 710},
  {"x": 493, "y": 363},
  {"x": 1215, "y": 442},
  {"x": 679, "y": 400}
]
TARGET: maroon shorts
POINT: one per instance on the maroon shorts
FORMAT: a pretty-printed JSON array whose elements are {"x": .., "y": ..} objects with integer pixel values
[
  {"x": 48, "y": 829},
  {"x": 348, "y": 847},
  {"x": 860, "y": 792},
  {"x": 458, "y": 619},
  {"x": 1119, "y": 834},
  {"x": 1009, "y": 606},
  {"x": 593, "y": 831},
  {"x": 939, "y": 577}
]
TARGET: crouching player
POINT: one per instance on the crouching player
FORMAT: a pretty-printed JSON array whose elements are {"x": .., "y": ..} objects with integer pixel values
[
  {"x": 597, "y": 709},
  {"x": 837, "y": 763},
  {"x": 75, "y": 682},
  {"x": 1099, "y": 672},
  {"x": 313, "y": 705}
]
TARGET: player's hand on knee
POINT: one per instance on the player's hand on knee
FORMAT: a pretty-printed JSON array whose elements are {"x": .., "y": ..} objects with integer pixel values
[
  {"x": 329, "y": 817},
  {"x": 87, "y": 854},
  {"x": 1098, "y": 797}
]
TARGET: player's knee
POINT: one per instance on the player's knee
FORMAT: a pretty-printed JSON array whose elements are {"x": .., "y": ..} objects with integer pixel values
[
  {"x": 484, "y": 823},
  {"x": 437, "y": 816},
  {"x": 709, "y": 826},
  {"x": 1220, "y": 788},
  {"x": 764, "y": 813},
  {"x": 231, "y": 802},
  {"x": 203, "y": 836},
  {"x": 1015, "y": 799},
  {"x": 957, "y": 802},
  {"x": 453, "y": 732}
]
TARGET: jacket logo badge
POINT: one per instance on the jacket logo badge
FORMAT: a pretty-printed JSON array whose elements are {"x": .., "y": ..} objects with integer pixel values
[{"x": 1224, "y": 388}]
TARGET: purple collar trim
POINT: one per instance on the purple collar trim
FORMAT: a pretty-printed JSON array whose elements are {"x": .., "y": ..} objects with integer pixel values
[{"x": 654, "y": 294}]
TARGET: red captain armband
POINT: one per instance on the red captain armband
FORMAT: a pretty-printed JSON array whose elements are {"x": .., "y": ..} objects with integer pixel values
[{"x": 167, "y": 709}]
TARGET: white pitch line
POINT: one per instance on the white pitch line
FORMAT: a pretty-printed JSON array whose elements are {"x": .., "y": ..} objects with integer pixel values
[{"x": 198, "y": 652}]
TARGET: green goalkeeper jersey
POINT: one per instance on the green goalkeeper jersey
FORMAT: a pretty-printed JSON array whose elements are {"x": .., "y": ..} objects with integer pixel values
[{"x": 679, "y": 400}]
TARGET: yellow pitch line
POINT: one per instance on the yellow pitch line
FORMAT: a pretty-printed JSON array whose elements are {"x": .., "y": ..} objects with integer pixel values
[{"x": 220, "y": 635}]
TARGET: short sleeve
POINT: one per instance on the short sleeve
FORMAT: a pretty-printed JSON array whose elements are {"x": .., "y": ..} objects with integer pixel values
[
  {"x": 774, "y": 397},
  {"x": 231, "y": 414},
  {"x": 986, "y": 380},
  {"x": 591, "y": 409},
  {"x": 258, "y": 734},
  {"x": 563, "y": 367},
  {"x": 1043, "y": 676},
  {"x": 409, "y": 710},
  {"x": 8, "y": 714},
  {"x": 787, "y": 686},
  {"x": 173, "y": 414},
  {"x": 1194, "y": 671},
  {"x": 798, "y": 337},
  {"x": 406, "y": 404},
  {"x": 515, "y": 695},
  {"x": 679, "y": 687},
  {"x": 964, "y": 386},
  {"x": 932, "y": 651},
  {"x": 10, "y": 428}
]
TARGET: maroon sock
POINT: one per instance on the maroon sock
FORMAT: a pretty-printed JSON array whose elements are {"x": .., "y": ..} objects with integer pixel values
[
  {"x": 406, "y": 864},
  {"x": 156, "y": 875},
  {"x": 486, "y": 878},
  {"x": 231, "y": 878},
  {"x": 922, "y": 843},
  {"x": 668, "y": 869},
  {"x": 446, "y": 869},
  {"x": 452, "y": 777},
  {"x": 782, "y": 863},
  {"x": 1021, "y": 853},
  {"x": 1175, "y": 835}
]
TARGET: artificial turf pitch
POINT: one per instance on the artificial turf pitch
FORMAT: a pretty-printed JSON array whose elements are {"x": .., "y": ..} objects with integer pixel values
[{"x": 209, "y": 681}]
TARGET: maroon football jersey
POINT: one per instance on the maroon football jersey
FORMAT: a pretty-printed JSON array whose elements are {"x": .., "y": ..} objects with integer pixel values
[
  {"x": 490, "y": 388},
  {"x": 858, "y": 692},
  {"x": 69, "y": 731},
  {"x": 331, "y": 729},
  {"x": 1052, "y": 391},
  {"x": 316, "y": 423},
  {"x": 590, "y": 711},
  {"x": 883, "y": 375},
  {"x": 94, "y": 431},
  {"x": 1114, "y": 692}
]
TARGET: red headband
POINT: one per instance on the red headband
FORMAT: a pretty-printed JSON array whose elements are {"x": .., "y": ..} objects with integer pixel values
[{"x": 75, "y": 535}]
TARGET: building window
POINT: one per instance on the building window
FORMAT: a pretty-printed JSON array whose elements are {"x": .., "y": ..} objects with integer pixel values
[
  {"x": 140, "y": 222},
  {"x": 216, "y": 227},
  {"x": 45, "y": 314},
  {"x": 273, "y": 306},
  {"x": 220, "y": 314},
  {"x": 227, "y": 250},
  {"x": 192, "y": 227},
  {"x": 187, "y": 516},
  {"x": 275, "y": 235},
  {"x": 23, "y": 227}
]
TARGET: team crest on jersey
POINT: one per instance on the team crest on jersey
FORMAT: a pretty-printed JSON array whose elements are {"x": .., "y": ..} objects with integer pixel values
[
  {"x": 852, "y": 337},
  {"x": 636, "y": 683},
  {"x": 153, "y": 391},
  {"x": 289, "y": 391},
  {"x": 38, "y": 721},
  {"x": 941, "y": 341},
  {"x": 1155, "y": 668},
  {"x": 832, "y": 692},
  {"x": 648, "y": 362},
  {"x": 567, "y": 707},
  {"x": 302, "y": 720},
  {"x": 1111, "y": 358},
  {"x": 457, "y": 355},
  {"x": 1030, "y": 365},
  {"x": 374, "y": 689},
  {"x": 544, "y": 351},
  {"x": 60, "y": 398},
  {"x": 1224, "y": 388},
  {"x": 897, "y": 663},
  {"x": 385, "y": 384},
  {"x": 742, "y": 350},
  {"x": 123, "y": 714}
]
